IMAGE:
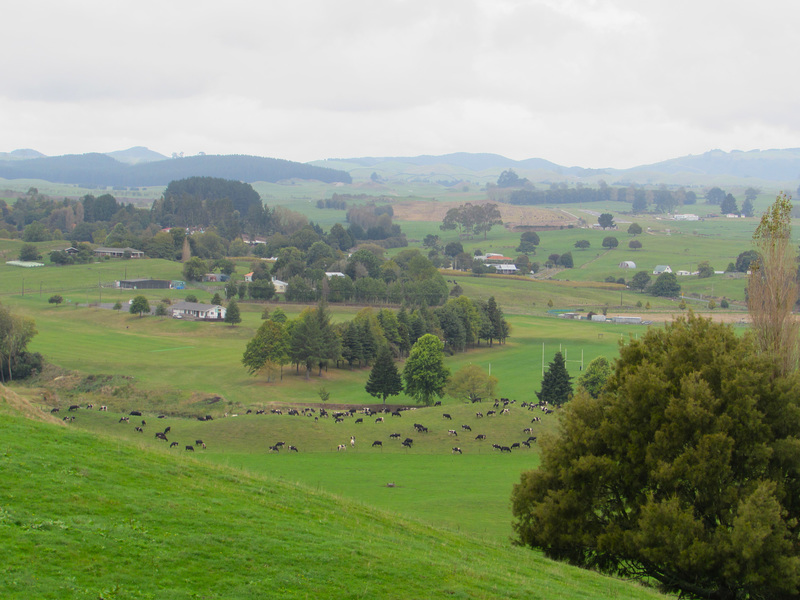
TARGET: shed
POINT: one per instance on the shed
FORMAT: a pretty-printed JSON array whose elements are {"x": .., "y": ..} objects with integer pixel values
[
  {"x": 627, "y": 264},
  {"x": 280, "y": 286},
  {"x": 506, "y": 269},
  {"x": 118, "y": 252},
  {"x": 144, "y": 284},
  {"x": 627, "y": 320},
  {"x": 662, "y": 269}
]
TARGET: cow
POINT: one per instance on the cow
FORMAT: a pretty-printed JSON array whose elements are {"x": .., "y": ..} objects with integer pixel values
[
  {"x": 73, "y": 407},
  {"x": 292, "y": 449},
  {"x": 532, "y": 438},
  {"x": 89, "y": 406},
  {"x": 54, "y": 410},
  {"x": 279, "y": 444},
  {"x": 161, "y": 436},
  {"x": 466, "y": 428},
  {"x": 123, "y": 420},
  {"x": 490, "y": 413},
  {"x": 452, "y": 432},
  {"x": 526, "y": 444},
  {"x": 190, "y": 448},
  {"x": 139, "y": 429},
  {"x": 408, "y": 442},
  {"x": 135, "y": 413},
  {"x": 505, "y": 411},
  {"x": 446, "y": 416},
  {"x": 173, "y": 445},
  {"x": 359, "y": 420},
  {"x": 199, "y": 442},
  {"x": 396, "y": 414},
  {"x": 480, "y": 436},
  {"x": 341, "y": 447},
  {"x": 167, "y": 429},
  {"x": 437, "y": 403},
  {"x": 394, "y": 435},
  {"x": 377, "y": 443},
  {"x": 478, "y": 415},
  {"x": 103, "y": 407},
  {"x": 456, "y": 450},
  {"x": 204, "y": 446},
  {"x": 515, "y": 445},
  {"x": 274, "y": 449},
  {"x": 352, "y": 441},
  {"x": 379, "y": 419},
  {"x": 505, "y": 449}
]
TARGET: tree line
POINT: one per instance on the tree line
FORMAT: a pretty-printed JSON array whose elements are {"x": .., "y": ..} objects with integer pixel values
[{"x": 313, "y": 341}]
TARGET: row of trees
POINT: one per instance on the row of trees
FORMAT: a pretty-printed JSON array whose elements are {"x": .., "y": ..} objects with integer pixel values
[{"x": 313, "y": 340}]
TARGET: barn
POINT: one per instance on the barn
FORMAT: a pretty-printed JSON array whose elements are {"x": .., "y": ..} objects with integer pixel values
[{"x": 144, "y": 284}]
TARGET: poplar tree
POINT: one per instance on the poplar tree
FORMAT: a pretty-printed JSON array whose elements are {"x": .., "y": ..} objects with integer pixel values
[{"x": 772, "y": 287}]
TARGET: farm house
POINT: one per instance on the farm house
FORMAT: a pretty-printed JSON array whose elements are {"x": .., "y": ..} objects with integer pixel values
[{"x": 198, "y": 311}]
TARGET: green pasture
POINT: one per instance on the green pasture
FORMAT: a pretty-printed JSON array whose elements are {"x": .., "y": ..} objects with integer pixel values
[
  {"x": 168, "y": 356},
  {"x": 462, "y": 492},
  {"x": 91, "y": 516}
]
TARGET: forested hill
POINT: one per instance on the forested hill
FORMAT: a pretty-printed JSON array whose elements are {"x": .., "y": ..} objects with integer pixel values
[{"x": 99, "y": 169}]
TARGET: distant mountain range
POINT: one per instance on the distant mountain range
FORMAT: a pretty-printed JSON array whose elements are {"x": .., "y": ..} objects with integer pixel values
[
  {"x": 747, "y": 168},
  {"x": 139, "y": 166}
]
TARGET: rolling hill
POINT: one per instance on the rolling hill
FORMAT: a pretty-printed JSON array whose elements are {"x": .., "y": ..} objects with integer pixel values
[
  {"x": 97, "y": 169},
  {"x": 85, "y": 516}
]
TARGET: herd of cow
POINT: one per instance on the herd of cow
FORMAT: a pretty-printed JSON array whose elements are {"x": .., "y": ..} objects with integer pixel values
[
  {"x": 160, "y": 435},
  {"x": 502, "y": 406}
]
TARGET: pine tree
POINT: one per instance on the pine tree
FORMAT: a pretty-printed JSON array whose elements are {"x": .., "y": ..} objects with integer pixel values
[
  {"x": 232, "y": 315},
  {"x": 384, "y": 379},
  {"x": 556, "y": 384}
]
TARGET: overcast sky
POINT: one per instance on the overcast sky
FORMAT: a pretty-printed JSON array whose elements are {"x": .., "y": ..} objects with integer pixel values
[{"x": 613, "y": 83}]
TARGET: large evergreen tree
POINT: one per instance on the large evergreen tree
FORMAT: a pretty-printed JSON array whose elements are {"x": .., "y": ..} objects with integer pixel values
[
  {"x": 384, "y": 379},
  {"x": 232, "y": 314},
  {"x": 684, "y": 471},
  {"x": 556, "y": 384}
]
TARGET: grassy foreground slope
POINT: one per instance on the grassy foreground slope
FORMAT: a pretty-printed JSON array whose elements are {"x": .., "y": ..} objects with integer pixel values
[{"x": 84, "y": 516}]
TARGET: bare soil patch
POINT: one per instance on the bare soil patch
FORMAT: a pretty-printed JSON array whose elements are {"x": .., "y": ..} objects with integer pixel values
[{"x": 512, "y": 215}]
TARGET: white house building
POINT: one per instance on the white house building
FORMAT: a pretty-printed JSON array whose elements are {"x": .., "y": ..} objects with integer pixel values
[
  {"x": 661, "y": 269},
  {"x": 506, "y": 269},
  {"x": 280, "y": 286},
  {"x": 197, "y": 310}
]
